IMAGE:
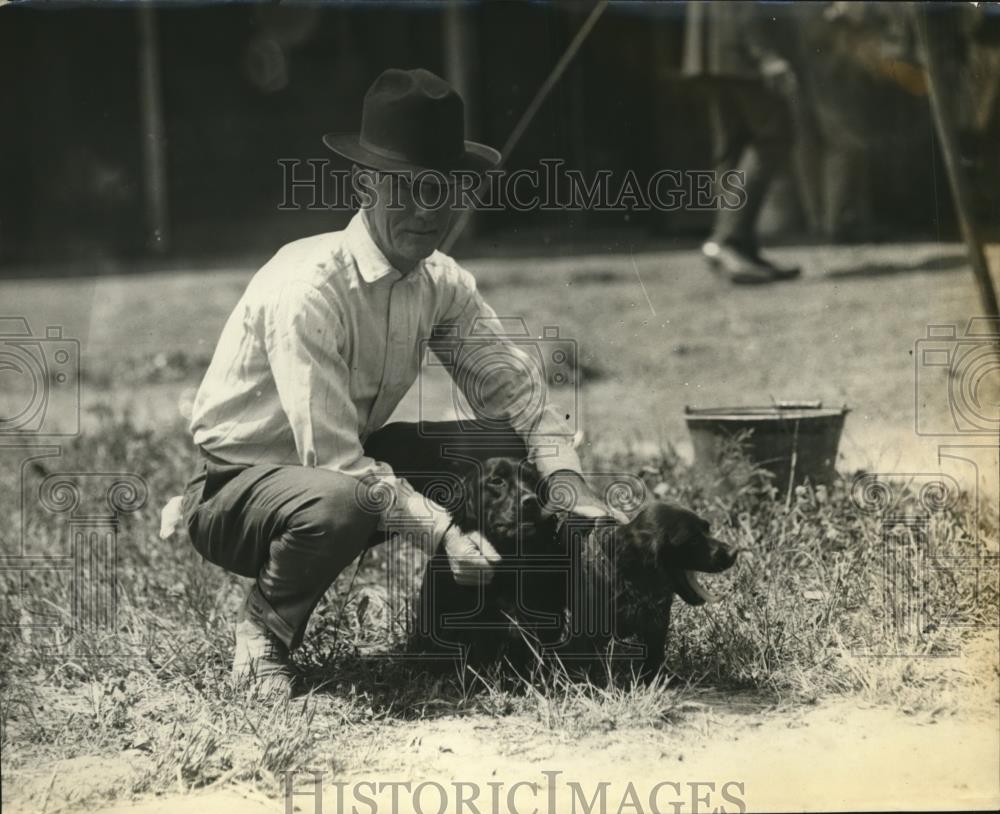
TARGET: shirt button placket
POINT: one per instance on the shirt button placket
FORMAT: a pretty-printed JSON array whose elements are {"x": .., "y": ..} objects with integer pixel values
[
  {"x": 396, "y": 333},
  {"x": 400, "y": 316}
]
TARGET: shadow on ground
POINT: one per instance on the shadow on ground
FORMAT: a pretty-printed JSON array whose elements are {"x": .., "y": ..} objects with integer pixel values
[{"x": 945, "y": 262}]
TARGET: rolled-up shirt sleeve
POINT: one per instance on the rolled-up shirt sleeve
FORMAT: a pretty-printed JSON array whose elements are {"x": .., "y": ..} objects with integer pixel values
[
  {"x": 303, "y": 338},
  {"x": 499, "y": 378}
]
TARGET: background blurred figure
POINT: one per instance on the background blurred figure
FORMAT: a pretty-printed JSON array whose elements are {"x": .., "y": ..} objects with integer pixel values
[
  {"x": 854, "y": 61},
  {"x": 861, "y": 113},
  {"x": 738, "y": 53}
]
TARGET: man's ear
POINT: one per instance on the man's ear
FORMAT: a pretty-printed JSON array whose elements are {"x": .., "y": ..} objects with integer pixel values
[{"x": 363, "y": 180}]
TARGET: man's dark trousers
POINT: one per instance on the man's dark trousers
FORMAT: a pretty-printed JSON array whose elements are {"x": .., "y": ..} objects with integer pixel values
[{"x": 295, "y": 528}]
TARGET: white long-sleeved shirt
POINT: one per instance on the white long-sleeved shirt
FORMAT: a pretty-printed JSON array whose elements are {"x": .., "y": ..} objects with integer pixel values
[{"x": 327, "y": 339}]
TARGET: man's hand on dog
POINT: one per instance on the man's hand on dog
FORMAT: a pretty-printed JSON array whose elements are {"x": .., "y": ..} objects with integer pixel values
[
  {"x": 470, "y": 555},
  {"x": 568, "y": 491}
]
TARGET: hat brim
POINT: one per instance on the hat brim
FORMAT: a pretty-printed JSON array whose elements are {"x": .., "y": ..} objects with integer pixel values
[{"x": 477, "y": 157}]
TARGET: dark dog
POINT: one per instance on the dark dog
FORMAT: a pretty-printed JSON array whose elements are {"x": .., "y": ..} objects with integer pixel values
[
  {"x": 656, "y": 556},
  {"x": 527, "y": 609},
  {"x": 485, "y": 624}
]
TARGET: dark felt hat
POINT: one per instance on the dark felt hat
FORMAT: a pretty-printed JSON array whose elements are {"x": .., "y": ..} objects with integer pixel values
[{"x": 411, "y": 121}]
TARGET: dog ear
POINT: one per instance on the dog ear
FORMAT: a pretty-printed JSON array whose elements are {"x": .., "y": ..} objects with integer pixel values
[
  {"x": 466, "y": 513},
  {"x": 452, "y": 487}
]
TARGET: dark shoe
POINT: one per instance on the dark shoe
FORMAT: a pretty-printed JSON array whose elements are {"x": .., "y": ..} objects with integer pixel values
[
  {"x": 738, "y": 267},
  {"x": 780, "y": 272},
  {"x": 260, "y": 661}
]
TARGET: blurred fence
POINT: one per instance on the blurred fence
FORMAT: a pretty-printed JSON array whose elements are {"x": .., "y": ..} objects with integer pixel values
[{"x": 242, "y": 86}]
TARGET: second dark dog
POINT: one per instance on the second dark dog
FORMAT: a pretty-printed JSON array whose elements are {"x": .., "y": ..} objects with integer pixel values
[{"x": 657, "y": 556}]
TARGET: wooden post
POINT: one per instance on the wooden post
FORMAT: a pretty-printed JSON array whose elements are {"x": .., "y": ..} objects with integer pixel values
[
  {"x": 948, "y": 137},
  {"x": 153, "y": 136},
  {"x": 460, "y": 59},
  {"x": 460, "y": 63}
]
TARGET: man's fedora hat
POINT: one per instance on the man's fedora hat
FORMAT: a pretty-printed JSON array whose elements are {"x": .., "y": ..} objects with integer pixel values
[{"x": 412, "y": 121}]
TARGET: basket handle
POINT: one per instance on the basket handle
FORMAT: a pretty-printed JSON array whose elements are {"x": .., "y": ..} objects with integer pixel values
[{"x": 799, "y": 405}]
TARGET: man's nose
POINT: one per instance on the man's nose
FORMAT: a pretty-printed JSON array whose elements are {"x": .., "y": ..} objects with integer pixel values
[{"x": 429, "y": 199}]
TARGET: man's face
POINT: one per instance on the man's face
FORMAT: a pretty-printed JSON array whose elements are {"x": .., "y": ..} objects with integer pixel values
[{"x": 407, "y": 222}]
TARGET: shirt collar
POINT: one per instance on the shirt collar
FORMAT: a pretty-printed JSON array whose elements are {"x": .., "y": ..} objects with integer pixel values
[{"x": 372, "y": 264}]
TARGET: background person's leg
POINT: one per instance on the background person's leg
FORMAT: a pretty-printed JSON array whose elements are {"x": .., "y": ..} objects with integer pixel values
[
  {"x": 730, "y": 139},
  {"x": 767, "y": 120},
  {"x": 732, "y": 247}
]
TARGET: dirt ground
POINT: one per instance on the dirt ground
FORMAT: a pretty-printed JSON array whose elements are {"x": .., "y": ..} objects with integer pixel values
[{"x": 834, "y": 755}]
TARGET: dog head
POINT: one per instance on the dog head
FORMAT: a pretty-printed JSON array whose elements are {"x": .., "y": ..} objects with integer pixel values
[
  {"x": 501, "y": 501},
  {"x": 683, "y": 547}
]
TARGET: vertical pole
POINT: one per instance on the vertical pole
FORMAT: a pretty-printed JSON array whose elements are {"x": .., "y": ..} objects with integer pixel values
[
  {"x": 153, "y": 136},
  {"x": 460, "y": 61},
  {"x": 948, "y": 137}
]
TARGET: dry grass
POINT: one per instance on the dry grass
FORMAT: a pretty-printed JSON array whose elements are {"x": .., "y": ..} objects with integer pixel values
[{"x": 800, "y": 616}]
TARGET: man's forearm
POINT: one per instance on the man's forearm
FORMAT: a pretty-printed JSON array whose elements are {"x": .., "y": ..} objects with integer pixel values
[
  {"x": 550, "y": 444},
  {"x": 568, "y": 490},
  {"x": 403, "y": 510}
]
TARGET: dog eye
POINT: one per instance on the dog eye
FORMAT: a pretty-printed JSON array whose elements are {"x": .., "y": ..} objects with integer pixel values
[{"x": 493, "y": 480}]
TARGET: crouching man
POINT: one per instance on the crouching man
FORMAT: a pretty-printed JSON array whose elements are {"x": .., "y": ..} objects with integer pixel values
[{"x": 322, "y": 346}]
